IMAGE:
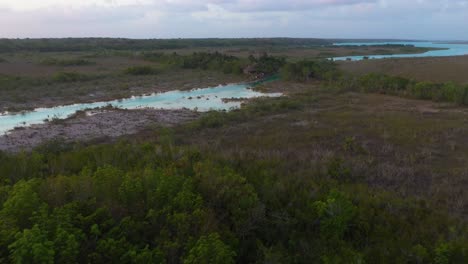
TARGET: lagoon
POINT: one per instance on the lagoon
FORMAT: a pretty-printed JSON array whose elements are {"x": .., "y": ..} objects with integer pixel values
[
  {"x": 204, "y": 99},
  {"x": 444, "y": 49}
]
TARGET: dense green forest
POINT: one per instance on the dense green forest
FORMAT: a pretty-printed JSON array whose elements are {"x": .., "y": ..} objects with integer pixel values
[{"x": 157, "y": 202}]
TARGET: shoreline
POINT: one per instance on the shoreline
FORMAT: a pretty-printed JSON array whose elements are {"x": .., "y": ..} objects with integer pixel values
[
  {"x": 92, "y": 125},
  {"x": 89, "y": 99},
  {"x": 96, "y": 100},
  {"x": 103, "y": 122},
  {"x": 251, "y": 83}
]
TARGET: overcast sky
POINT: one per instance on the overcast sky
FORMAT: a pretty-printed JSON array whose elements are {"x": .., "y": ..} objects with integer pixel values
[{"x": 409, "y": 19}]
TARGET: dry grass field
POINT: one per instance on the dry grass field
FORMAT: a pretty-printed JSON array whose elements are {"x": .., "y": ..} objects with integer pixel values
[
  {"x": 32, "y": 79},
  {"x": 436, "y": 69},
  {"x": 33, "y": 64},
  {"x": 411, "y": 147}
]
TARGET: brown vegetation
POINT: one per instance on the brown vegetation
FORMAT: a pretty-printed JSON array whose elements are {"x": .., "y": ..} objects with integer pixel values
[
  {"x": 412, "y": 147},
  {"x": 435, "y": 69}
]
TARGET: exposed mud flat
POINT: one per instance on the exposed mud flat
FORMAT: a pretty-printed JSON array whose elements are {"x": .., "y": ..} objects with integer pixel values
[{"x": 93, "y": 125}]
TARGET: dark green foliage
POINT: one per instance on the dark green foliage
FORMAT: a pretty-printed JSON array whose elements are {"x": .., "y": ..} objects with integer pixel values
[
  {"x": 211, "y": 119},
  {"x": 141, "y": 70},
  {"x": 265, "y": 64},
  {"x": 198, "y": 60},
  {"x": 66, "y": 77},
  {"x": 8, "y": 82},
  {"x": 379, "y": 83},
  {"x": 335, "y": 214},
  {"x": 152, "y": 203},
  {"x": 449, "y": 92},
  {"x": 310, "y": 70},
  {"x": 66, "y": 62},
  {"x": 268, "y": 64},
  {"x": 211, "y": 250},
  {"x": 32, "y": 246},
  {"x": 22, "y": 202},
  {"x": 337, "y": 170},
  {"x": 206, "y": 61},
  {"x": 423, "y": 90},
  {"x": 87, "y": 44},
  {"x": 382, "y": 83}
]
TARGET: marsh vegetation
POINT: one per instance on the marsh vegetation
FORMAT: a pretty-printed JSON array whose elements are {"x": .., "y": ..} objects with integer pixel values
[{"x": 346, "y": 168}]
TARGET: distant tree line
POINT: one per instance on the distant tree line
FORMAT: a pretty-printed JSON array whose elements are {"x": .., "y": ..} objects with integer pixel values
[
  {"x": 93, "y": 44},
  {"x": 66, "y": 62}
]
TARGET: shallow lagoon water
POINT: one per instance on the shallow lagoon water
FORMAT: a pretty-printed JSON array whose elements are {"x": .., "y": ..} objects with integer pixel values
[
  {"x": 204, "y": 99},
  {"x": 447, "y": 50}
]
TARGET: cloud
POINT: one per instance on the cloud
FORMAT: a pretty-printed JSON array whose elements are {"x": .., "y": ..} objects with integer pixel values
[
  {"x": 231, "y": 5},
  {"x": 266, "y": 5},
  {"x": 235, "y": 18}
]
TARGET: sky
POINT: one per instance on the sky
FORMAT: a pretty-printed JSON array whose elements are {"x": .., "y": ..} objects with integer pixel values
[{"x": 395, "y": 19}]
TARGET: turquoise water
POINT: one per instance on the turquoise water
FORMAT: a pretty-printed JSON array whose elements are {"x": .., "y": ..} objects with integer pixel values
[
  {"x": 199, "y": 99},
  {"x": 448, "y": 50}
]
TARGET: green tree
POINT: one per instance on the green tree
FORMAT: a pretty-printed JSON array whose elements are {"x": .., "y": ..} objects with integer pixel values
[
  {"x": 335, "y": 214},
  {"x": 423, "y": 90},
  {"x": 210, "y": 250},
  {"x": 230, "y": 195},
  {"x": 32, "y": 246},
  {"x": 107, "y": 180},
  {"x": 131, "y": 193},
  {"x": 145, "y": 255},
  {"x": 443, "y": 254},
  {"x": 22, "y": 202},
  {"x": 67, "y": 246}
]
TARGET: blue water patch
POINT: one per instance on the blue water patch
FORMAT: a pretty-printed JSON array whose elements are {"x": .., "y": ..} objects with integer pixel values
[
  {"x": 199, "y": 99},
  {"x": 445, "y": 49}
]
